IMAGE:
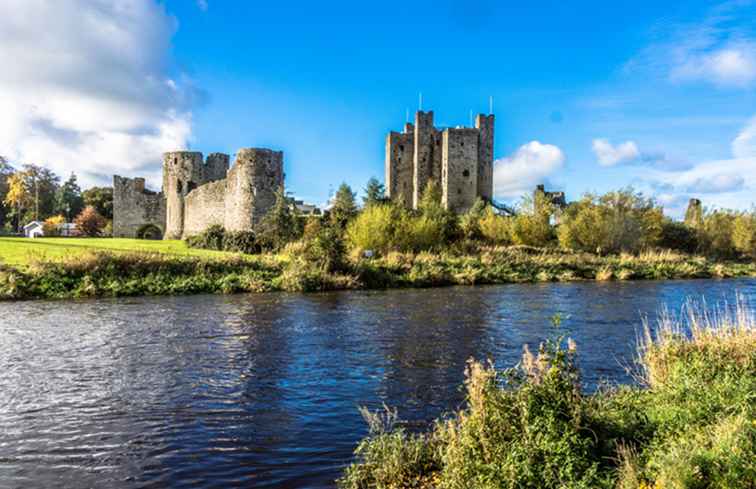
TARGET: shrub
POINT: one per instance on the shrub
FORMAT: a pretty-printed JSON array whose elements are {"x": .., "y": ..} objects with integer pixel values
[
  {"x": 469, "y": 223},
  {"x": 240, "y": 242},
  {"x": 89, "y": 222},
  {"x": 716, "y": 233},
  {"x": 744, "y": 234},
  {"x": 210, "y": 239},
  {"x": 51, "y": 226},
  {"x": 678, "y": 236},
  {"x": 326, "y": 251},
  {"x": 496, "y": 229},
  {"x": 375, "y": 228},
  {"x": 612, "y": 223},
  {"x": 279, "y": 226}
]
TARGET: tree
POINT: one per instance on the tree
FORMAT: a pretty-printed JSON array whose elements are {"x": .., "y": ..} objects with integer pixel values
[
  {"x": 5, "y": 172},
  {"x": 43, "y": 186},
  {"x": 344, "y": 207},
  {"x": 101, "y": 198},
  {"x": 89, "y": 222},
  {"x": 374, "y": 193},
  {"x": 18, "y": 197},
  {"x": 68, "y": 199},
  {"x": 51, "y": 226},
  {"x": 279, "y": 226}
]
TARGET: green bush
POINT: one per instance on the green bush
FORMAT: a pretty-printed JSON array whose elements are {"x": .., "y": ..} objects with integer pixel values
[
  {"x": 744, "y": 234},
  {"x": 240, "y": 242},
  {"x": 375, "y": 228},
  {"x": 612, "y": 223},
  {"x": 494, "y": 228},
  {"x": 211, "y": 238},
  {"x": 678, "y": 236}
]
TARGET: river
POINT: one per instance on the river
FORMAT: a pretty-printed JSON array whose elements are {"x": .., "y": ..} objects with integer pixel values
[{"x": 263, "y": 390}]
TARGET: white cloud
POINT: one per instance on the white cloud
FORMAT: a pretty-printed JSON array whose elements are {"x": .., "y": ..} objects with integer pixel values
[
  {"x": 89, "y": 88},
  {"x": 744, "y": 145},
  {"x": 202, "y": 4},
  {"x": 609, "y": 155},
  {"x": 719, "y": 50},
  {"x": 733, "y": 65},
  {"x": 725, "y": 182},
  {"x": 529, "y": 166}
]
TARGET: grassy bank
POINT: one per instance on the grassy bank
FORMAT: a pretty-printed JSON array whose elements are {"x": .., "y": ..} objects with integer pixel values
[
  {"x": 69, "y": 268},
  {"x": 692, "y": 424}
]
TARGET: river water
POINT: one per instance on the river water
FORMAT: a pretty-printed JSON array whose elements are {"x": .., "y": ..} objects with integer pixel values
[{"x": 263, "y": 390}]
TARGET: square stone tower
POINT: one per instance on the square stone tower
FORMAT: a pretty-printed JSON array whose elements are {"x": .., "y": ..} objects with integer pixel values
[{"x": 459, "y": 159}]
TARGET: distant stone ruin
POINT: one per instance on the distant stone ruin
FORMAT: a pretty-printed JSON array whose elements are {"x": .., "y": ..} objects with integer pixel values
[
  {"x": 459, "y": 159},
  {"x": 199, "y": 193}
]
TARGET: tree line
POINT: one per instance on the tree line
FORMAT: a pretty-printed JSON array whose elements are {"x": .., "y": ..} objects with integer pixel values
[
  {"x": 621, "y": 221},
  {"x": 35, "y": 193}
]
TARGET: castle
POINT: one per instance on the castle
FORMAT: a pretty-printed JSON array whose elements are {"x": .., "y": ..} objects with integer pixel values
[
  {"x": 198, "y": 193},
  {"x": 459, "y": 159}
]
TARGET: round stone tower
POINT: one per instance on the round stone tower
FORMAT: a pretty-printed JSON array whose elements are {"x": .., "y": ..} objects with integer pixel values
[{"x": 182, "y": 173}]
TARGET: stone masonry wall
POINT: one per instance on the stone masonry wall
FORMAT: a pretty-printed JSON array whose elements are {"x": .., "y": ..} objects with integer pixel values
[
  {"x": 182, "y": 173},
  {"x": 430, "y": 160},
  {"x": 204, "y": 207},
  {"x": 459, "y": 181},
  {"x": 251, "y": 185},
  {"x": 400, "y": 152},
  {"x": 485, "y": 125},
  {"x": 423, "y": 157},
  {"x": 134, "y": 207}
]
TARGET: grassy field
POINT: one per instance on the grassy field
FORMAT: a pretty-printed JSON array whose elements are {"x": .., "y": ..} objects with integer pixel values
[{"x": 20, "y": 252}]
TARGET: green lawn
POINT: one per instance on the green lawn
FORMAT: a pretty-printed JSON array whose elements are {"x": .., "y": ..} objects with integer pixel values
[{"x": 20, "y": 251}]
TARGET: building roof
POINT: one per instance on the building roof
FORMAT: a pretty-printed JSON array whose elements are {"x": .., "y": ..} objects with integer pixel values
[{"x": 33, "y": 224}]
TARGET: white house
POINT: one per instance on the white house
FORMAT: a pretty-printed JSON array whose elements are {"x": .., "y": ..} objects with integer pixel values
[{"x": 34, "y": 230}]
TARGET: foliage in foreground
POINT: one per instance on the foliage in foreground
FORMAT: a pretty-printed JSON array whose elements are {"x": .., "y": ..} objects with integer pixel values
[{"x": 692, "y": 425}]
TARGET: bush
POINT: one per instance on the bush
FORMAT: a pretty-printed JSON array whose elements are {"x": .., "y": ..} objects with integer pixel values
[
  {"x": 678, "y": 236},
  {"x": 51, "y": 226},
  {"x": 375, "y": 228},
  {"x": 744, "y": 234},
  {"x": 496, "y": 229},
  {"x": 240, "y": 242},
  {"x": 210, "y": 239},
  {"x": 469, "y": 223},
  {"x": 90, "y": 222},
  {"x": 612, "y": 223}
]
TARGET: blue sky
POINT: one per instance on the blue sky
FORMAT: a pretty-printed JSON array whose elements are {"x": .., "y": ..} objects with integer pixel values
[{"x": 589, "y": 96}]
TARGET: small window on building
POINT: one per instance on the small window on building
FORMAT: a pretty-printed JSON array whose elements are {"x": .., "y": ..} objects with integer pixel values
[
  {"x": 459, "y": 191},
  {"x": 462, "y": 144},
  {"x": 401, "y": 147},
  {"x": 466, "y": 173},
  {"x": 180, "y": 187}
]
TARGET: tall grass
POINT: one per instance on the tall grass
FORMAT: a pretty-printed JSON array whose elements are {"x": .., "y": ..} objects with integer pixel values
[{"x": 691, "y": 424}]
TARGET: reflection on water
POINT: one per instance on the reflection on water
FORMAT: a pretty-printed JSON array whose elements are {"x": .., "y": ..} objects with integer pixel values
[{"x": 263, "y": 390}]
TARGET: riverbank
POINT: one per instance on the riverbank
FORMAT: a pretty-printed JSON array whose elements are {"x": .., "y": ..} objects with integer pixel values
[
  {"x": 169, "y": 268},
  {"x": 691, "y": 424}
]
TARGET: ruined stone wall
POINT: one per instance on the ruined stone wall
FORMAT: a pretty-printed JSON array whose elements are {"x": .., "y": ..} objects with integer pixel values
[
  {"x": 215, "y": 167},
  {"x": 204, "y": 207},
  {"x": 134, "y": 207},
  {"x": 182, "y": 173},
  {"x": 485, "y": 125},
  {"x": 400, "y": 150},
  {"x": 250, "y": 187},
  {"x": 459, "y": 179},
  {"x": 423, "y": 154}
]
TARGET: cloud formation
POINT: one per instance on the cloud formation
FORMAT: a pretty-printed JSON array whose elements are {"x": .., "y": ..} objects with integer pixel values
[
  {"x": 719, "y": 51},
  {"x": 529, "y": 166},
  {"x": 609, "y": 155},
  {"x": 725, "y": 182},
  {"x": 91, "y": 88}
]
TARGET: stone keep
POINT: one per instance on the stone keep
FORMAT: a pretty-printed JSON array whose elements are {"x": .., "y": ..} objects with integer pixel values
[
  {"x": 460, "y": 160},
  {"x": 198, "y": 193}
]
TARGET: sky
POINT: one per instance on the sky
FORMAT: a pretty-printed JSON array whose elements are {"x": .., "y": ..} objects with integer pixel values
[{"x": 588, "y": 96}]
